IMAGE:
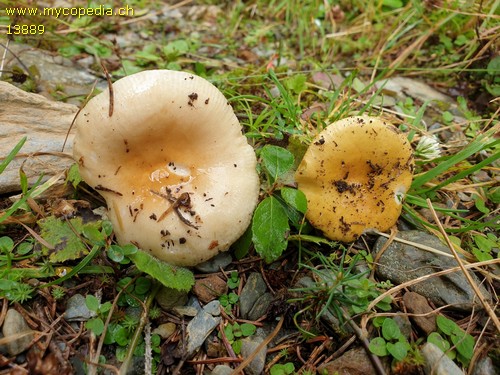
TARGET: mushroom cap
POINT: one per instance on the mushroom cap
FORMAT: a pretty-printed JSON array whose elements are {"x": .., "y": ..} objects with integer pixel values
[
  {"x": 178, "y": 176},
  {"x": 354, "y": 175}
]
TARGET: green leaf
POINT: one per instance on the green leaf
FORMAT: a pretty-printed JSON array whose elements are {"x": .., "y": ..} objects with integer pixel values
[
  {"x": 24, "y": 248},
  {"x": 64, "y": 237},
  {"x": 464, "y": 344},
  {"x": 276, "y": 160},
  {"x": 142, "y": 285},
  {"x": 390, "y": 330},
  {"x": 294, "y": 198},
  {"x": 247, "y": 329},
  {"x": 5, "y": 162},
  {"x": 438, "y": 340},
  {"x": 269, "y": 229},
  {"x": 6, "y": 244},
  {"x": 121, "y": 336},
  {"x": 115, "y": 253},
  {"x": 446, "y": 325},
  {"x": 176, "y": 48},
  {"x": 96, "y": 325},
  {"x": 398, "y": 350},
  {"x": 237, "y": 346},
  {"x": 296, "y": 83},
  {"x": 378, "y": 347},
  {"x": 170, "y": 276},
  {"x": 92, "y": 302},
  {"x": 74, "y": 175}
]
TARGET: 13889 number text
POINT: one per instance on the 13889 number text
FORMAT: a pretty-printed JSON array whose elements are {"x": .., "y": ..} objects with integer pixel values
[{"x": 25, "y": 29}]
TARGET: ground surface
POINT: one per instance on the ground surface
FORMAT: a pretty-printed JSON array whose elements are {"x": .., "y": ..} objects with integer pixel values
[{"x": 288, "y": 69}]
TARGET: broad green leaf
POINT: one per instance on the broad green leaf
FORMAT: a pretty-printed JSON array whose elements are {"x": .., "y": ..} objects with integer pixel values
[
  {"x": 438, "y": 340},
  {"x": 176, "y": 48},
  {"x": 270, "y": 229},
  {"x": 276, "y": 160},
  {"x": 121, "y": 336},
  {"x": 398, "y": 350},
  {"x": 446, "y": 325},
  {"x": 390, "y": 329},
  {"x": 295, "y": 198},
  {"x": 92, "y": 302},
  {"x": 170, "y": 276},
  {"x": 247, "y": 329},
  {"x": 464, "y": 344},
  {"x": 74, "y": 175},
  {"x": 64, "y": 237},
  {"x": 296, "y": 83},
  {"x": 115, "y": 253},
  {"x": 6, "y": 244},
  {"x": 96, "y": 325},
  {"x": 378, "y": 347},
  {"x": 142, "y": 285}
]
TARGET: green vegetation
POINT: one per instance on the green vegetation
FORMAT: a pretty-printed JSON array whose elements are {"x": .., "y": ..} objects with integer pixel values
[{"x": 289, "y": 68}]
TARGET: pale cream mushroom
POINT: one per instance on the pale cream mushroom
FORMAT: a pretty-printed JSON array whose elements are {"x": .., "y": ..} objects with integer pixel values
[
  {"x": 177, "y": 174},
  {"x": 355, "y": 175}
]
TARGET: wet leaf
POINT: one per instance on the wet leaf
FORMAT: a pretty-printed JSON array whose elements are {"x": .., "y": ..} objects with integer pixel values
[
  {"x": 171, "y": 276},
  {"x": 295, "y": 198},
  {"x": 269, "y": 229},
  {"x": 276, "y": 160}
]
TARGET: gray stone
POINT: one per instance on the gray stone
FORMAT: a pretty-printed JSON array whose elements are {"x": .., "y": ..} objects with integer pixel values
[
  {"x": 248, "y": 347},
  {"x": 260, "y": 306},
  {"x": 45, "y": 123},
  {"x": 401, "y": 263},
  {"x": 220, "y": 261},
  {"x": 198, "y": 330},
  {"x": 170, "y": 297},
  {"x": 77, "y": 310},
  {"x": 221, "y": 370},
  {"x": 352, "y": 362},
  {"x": 212, "y": 308},
  {"x": 55, "y": 71},
  {"x": 165, "y": 330},
  {"x": 403, "y": 86},
  {"x": 253, "y": 289},
  {"x": 15, "y": 325},
  {"x": 485, "y": 366},
  {"x": 185, "y": 310},
  {"x": 438, "y": 363}
]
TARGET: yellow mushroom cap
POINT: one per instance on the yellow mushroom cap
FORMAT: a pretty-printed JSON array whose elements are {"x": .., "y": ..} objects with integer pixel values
[
  {"x": 355, "y": 175},
  {"x": 177, "y": 174}
]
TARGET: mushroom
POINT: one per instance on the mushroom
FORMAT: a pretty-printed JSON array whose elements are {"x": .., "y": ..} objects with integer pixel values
[
  {"x": 178, "y": 176},
  {"x": 355, "y": 175}
]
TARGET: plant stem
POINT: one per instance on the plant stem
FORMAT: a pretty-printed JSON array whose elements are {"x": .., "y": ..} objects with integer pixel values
[{"x": 137, "y": 334}]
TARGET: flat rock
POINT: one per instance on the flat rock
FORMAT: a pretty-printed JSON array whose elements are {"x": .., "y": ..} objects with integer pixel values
[
  {"x": 403, "y": 86},
  {"x": 352, "y": 362},
  {"x": 45, "y": 123},
  {"x": 248, "y": 346},
  {"x": 417, "y": 304},
  {"x": 198, "y": 330},
  {"x": 253, "y": 289},
  {"x": 55, "y": 72},
  {"x": 209, "y": 288},
  {"x": 401, "y": 263},
  {"x": 438, "y": 363},
  {"x": 260, "y": 306},
  {"x": 14, "y": 324},
  {"x": 77, "y": 310},
  {"x": 218, "y": 262}
]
